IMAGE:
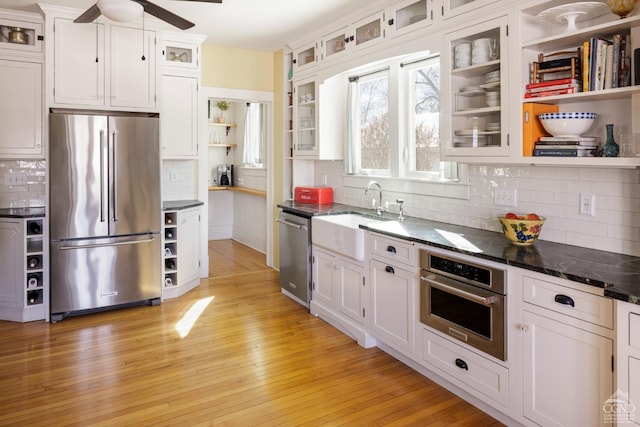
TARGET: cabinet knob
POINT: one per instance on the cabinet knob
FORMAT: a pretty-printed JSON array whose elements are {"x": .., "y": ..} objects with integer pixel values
[
  {"x": 524, "y": 327},
  {"x": 391, "y": 21},
  {"x": 564, "y": 300},
  {"x": 462, "y": 364},
  {"x": 389, "y": 269},
  {"x": 391, "y": 249}
]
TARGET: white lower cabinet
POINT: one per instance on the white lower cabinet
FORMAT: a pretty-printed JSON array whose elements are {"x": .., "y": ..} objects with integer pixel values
[
  {"x": 393, "y": 305},
  {"x": 465, "y": 367},
  {"x": 627, "y": 410},
  {"x": 567, "y": 356},
  {"x": 340, "y": 293}
]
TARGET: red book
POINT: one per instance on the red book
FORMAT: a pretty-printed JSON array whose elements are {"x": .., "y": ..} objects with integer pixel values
[
  {"x": 554, "y": 87},
  {"x": 552, "y": 83},
  {"x": 551, "y": 93}
]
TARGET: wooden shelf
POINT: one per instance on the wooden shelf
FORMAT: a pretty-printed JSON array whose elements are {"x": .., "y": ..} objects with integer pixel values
[
  {"x": 227, "y": 146},
  {"x": 259, "y": 193}
]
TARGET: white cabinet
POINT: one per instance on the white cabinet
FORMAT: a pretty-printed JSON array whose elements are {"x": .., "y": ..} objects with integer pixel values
[
  {"x": 21, "y": 34},
  {"x": 476, "y": 93},
  {"x": 339, "y": 284},
  {"x": 22, "y": 261},
  {"x": 457, "y": 8},
  {"x": 181, "y": 55},
  {"x": 628, "y": 364},
  {"x": 181, "y": 251},
  {"x": 305, "y": 118},
  {"x": 21, "y": 124},
  {"x": 567, "y": 353},
  {"x": 393, "y": 304},
  {"x": 340, "y": 294},
  {"x": 179, "y": 117},
  {"x": 102, "y": 65},
  {"x": 305, "y": 57},
  {"x": 409, "y": 15}
]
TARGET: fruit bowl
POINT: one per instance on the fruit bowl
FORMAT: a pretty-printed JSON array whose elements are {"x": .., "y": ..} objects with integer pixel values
[
  {"x": 521, "y": 229},
  {"x": 567, "y": 124}
]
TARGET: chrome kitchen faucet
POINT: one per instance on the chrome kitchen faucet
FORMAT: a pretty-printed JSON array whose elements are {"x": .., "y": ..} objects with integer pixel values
[{"x": 379, "y": 209}]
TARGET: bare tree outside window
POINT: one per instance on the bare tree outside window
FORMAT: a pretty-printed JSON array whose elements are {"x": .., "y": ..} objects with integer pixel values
[
  {"x": 374, "y": 122},
  {"x": 426, "y": 109}
]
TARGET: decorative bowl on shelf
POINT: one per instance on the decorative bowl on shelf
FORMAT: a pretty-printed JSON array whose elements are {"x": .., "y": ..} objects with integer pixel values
[
  {"x": 567, "y": 124},
  {"x": 621, "y": 7},
  {"x": 521, "y": 229}
]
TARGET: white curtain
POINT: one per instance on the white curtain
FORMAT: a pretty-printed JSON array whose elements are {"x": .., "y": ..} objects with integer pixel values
[
  {"x": 251, "y": 147},
  {"x": 352, "y": 161}
]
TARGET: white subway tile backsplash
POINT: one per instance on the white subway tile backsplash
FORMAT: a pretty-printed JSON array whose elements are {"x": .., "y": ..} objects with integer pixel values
[{"x": 31, "y": 194}]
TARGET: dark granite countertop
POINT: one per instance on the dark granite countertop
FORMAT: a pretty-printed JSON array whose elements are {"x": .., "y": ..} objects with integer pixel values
[
  {"x": 176, "y": 205},
  {"x": 36, "y": 212},
  {"x": 618, "y": 274}
]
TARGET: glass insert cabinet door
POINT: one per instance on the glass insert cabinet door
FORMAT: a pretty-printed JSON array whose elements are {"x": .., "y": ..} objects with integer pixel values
[
  {"x": 456, "y": 7},
  {"x": 305, "y": 120},
  {"x": 18, "y": 35},
  {"x": 182, "y": 55},
  {"x": 475, "y": 59}
]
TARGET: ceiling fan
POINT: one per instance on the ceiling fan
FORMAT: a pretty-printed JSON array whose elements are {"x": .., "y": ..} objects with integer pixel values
[{"x": 126, "y": 10}]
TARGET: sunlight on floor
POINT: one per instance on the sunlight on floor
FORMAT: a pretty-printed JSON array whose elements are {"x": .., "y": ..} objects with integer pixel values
[{"x": 184, "y": 325}]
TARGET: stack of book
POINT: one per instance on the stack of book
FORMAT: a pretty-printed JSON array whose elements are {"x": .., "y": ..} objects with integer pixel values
[
  {"x": 552, "y": 146},
  {"x": 553, "y": 87},
  {"x": 606, "y": 63}
]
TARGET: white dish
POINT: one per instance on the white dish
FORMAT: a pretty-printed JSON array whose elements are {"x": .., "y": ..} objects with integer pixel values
[
  {"x": 571, "y": 12},
  {"x": 492, "y": 85}
]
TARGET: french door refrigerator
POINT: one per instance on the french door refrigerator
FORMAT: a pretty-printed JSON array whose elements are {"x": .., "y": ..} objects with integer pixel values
[{"x": 105, "y": 211}]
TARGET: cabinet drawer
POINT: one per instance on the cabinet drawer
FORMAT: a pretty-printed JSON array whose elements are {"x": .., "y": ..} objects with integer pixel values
[
  {"x": 482, "y": 375},
  {"x": 634, "y": 330},
  {"x": 580, "y": 305},
  {"x": 396, "y": 250}
]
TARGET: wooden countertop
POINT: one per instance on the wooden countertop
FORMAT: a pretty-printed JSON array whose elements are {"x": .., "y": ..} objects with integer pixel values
[{"x": 251, "y": 191}]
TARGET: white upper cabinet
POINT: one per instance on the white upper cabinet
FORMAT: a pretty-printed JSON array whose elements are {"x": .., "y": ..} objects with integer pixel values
[
  {"x": 335, "y": 44},
  {"x": 132, "y": 68},
  {"x": 100, "y": 64},
  {"x": 21, "y": 125},
  {"x": 369, "y": 31},
  {"x": 179, "y": 117},
  {"x": 409, "y": 15},
  {"x": 181, "y": 55},
  {"x": 475, "y": 91},
  {"x": 305, "y": 57},
  {"x": 455, "y": 8},
  {"x": 21, "y": 34}
]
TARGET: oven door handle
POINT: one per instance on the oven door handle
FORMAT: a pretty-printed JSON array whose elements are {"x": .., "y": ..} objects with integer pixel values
[{"x": 459, "y": 292}]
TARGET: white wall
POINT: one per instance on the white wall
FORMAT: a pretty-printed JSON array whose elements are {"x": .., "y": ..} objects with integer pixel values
[
  {"x": 179, "y": 180},
  {"x": 249, "y": 224},
  {"x": 548, "y": 191}
]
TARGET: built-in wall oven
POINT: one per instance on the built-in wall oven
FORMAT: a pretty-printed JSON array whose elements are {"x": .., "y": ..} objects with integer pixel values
[{"x": 464, "y": 300}]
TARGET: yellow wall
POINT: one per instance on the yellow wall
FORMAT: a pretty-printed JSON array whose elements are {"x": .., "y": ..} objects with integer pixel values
[{"x": 231, "y": 68}]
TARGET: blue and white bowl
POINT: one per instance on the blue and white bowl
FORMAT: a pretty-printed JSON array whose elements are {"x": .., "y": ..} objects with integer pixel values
[{"x": 567, "y": 124}]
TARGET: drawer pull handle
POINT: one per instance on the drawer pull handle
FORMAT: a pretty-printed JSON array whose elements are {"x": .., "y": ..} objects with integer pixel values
[
  {"x": 389, "y": 269},
  {"x": 391, "y": 249},
  {"x": 566, "y": 300},
  {"x": 462, "y": 364}
]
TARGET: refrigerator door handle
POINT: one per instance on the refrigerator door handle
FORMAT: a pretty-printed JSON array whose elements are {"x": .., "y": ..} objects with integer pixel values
[
  {"x": 115, "y": 175},
  {"x": 101, "y": 245},
  {"x": 102, "y": 195}
]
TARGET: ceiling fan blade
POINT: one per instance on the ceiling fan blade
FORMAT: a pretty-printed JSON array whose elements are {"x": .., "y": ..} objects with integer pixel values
[
  {"x": 165, "y": 15},
  {"x": 89, "y": 15},
  {"x": 205, "y": 1}
]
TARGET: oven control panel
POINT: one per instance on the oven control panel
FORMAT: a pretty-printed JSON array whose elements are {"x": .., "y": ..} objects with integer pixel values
[{"x": 486, "y": 277}]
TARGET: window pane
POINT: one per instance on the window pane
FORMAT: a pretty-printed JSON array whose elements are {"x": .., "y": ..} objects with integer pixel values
[
  {"x": 374, "y": 122},
  {"x": 425, "y": 96}
]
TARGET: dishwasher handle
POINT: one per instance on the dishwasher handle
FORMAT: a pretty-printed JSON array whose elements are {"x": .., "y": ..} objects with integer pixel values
[{"x": 291, "y": 224}]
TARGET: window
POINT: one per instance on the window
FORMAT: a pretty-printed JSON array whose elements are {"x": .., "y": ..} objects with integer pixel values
[
  {"x": 254, "y": 135},
  {"x": 405, "y": 144},
  {"x": 373, "y": 113}
]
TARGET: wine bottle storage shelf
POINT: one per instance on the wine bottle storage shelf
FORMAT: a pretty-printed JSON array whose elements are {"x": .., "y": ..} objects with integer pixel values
[
  {"x": 170, "y": 249},
  {"x": 34, "y": 261}
]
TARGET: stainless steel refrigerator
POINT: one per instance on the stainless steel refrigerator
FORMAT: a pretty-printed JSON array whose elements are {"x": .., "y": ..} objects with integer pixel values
[{"x": 105, "y": 211}]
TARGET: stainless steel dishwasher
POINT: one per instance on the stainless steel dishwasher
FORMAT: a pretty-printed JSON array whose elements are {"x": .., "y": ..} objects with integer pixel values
[{"x": 295, "y": 257}]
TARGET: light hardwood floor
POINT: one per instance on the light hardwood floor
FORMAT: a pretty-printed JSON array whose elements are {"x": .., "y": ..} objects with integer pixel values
[{"x": 252, "y": 357}]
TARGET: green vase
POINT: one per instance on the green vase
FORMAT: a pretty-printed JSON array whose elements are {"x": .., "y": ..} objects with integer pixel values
[{"x": 610, "y": 148}]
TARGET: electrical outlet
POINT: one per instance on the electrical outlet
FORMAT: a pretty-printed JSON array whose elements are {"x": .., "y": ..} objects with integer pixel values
[
  {"x": 15, "y": 179},
  {"x": 505, "y": 197},
  {"x": 173, "y": 176},
  {"x": 587, "y": 204}
]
